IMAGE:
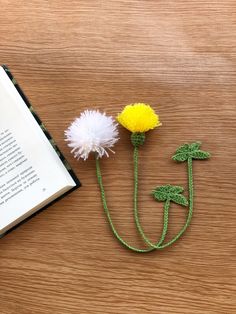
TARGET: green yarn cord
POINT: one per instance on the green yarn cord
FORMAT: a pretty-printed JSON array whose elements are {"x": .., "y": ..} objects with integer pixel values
[
  {"x": 104, "y": 202},
  {"x": 166, "y": 207},
  {"x": 190, "y": 211},
  {"x": 115, "y": 232},
  {"x": 166, "y": 193},
  {"x": 136, "y": 214}
]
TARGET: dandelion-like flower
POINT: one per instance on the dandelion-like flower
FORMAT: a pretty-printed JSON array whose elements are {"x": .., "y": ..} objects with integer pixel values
[
  {"x": 94, "y": 132},
  {"x": 138, "y": 117}
]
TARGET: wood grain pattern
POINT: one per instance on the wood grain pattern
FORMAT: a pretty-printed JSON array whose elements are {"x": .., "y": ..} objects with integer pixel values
[{"x": 180, "y": 56}]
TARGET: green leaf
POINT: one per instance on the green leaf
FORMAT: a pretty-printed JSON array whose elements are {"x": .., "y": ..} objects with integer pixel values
[
  {"x": 183, "y": 149},
  {"x": 170, "y": 192},
  {"x": 200, "y": 154},
  {"x": 190, "y": 150},
  {"x": 176, "y": 189},
  {"x": 195, "y": 146},
  {"x": 160, "y": 196},
  {"x": 179, "y": 199},
  {"x": 163, "y": 188},
  {"x": 161, "y": 193},
  {"x": 180, "y": 157}
]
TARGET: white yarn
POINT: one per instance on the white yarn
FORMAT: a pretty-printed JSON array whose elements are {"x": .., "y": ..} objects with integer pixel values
[{"x": 93, "y": 131}]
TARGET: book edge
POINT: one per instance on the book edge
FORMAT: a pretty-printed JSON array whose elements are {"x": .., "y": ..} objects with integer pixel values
[{"x": 38, "y": 211}]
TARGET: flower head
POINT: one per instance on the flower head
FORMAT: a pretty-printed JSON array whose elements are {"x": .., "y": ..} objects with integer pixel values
[
  {"x": 93, "y": 131},
  {"x": 138, "y": 118}
]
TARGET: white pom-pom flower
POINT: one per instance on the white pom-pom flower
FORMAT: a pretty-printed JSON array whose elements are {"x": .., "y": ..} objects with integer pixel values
[{"x": 93, "y": 131}]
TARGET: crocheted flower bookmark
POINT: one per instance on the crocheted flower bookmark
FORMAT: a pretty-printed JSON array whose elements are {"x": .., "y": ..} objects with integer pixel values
[{"x": 95, "y": 132}]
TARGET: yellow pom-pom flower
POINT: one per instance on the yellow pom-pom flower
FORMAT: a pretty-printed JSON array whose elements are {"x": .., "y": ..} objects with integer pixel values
[{"x": 138, "y": 117}]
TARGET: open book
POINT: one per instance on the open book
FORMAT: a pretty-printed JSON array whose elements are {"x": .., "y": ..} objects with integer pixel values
[{"x": 33, "y": 172}]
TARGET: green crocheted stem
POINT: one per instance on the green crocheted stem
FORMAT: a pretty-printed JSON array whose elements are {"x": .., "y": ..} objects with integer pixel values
[
  {"x": 136, "y": 213},
  {"x": 190, "y": 211},
  {"x": 166, "y": 208},
  {"x": 104, "y": 202}
]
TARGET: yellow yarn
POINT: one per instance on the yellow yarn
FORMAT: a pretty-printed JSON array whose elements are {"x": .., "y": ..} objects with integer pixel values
[{"x": 138, "y": 117}]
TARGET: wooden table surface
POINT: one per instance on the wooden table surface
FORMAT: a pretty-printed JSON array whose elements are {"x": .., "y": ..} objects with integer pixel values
[{"x": 179, "y": 56}]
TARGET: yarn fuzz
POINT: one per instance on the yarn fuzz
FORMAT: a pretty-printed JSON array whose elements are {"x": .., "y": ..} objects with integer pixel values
[
  {"x": 138, "y": 117},
  {"x": 94, "y": 132}
]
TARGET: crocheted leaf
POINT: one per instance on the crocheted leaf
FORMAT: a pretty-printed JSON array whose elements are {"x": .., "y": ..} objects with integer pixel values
[
  {"x": 195, "y": 146},
  {"x": 191, "y": 150},
  {"x": 176, "y": 189},
  {"x": 179, "y": 199},
  {"x": 183, "y": 149},
  {"x": 170, "y": 192},
  {"x": 181, "y": 157},
  {"x": 200, "y": 154},
  {"x": 160, "y": 196},
  {"x": 164, "y": 188},
  {"x": 161, "y": 193}
]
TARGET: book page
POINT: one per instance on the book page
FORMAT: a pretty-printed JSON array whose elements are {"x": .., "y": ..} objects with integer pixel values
[
  {"x": 16, "y": 172},
  {"x": 30, "y": 170}
]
